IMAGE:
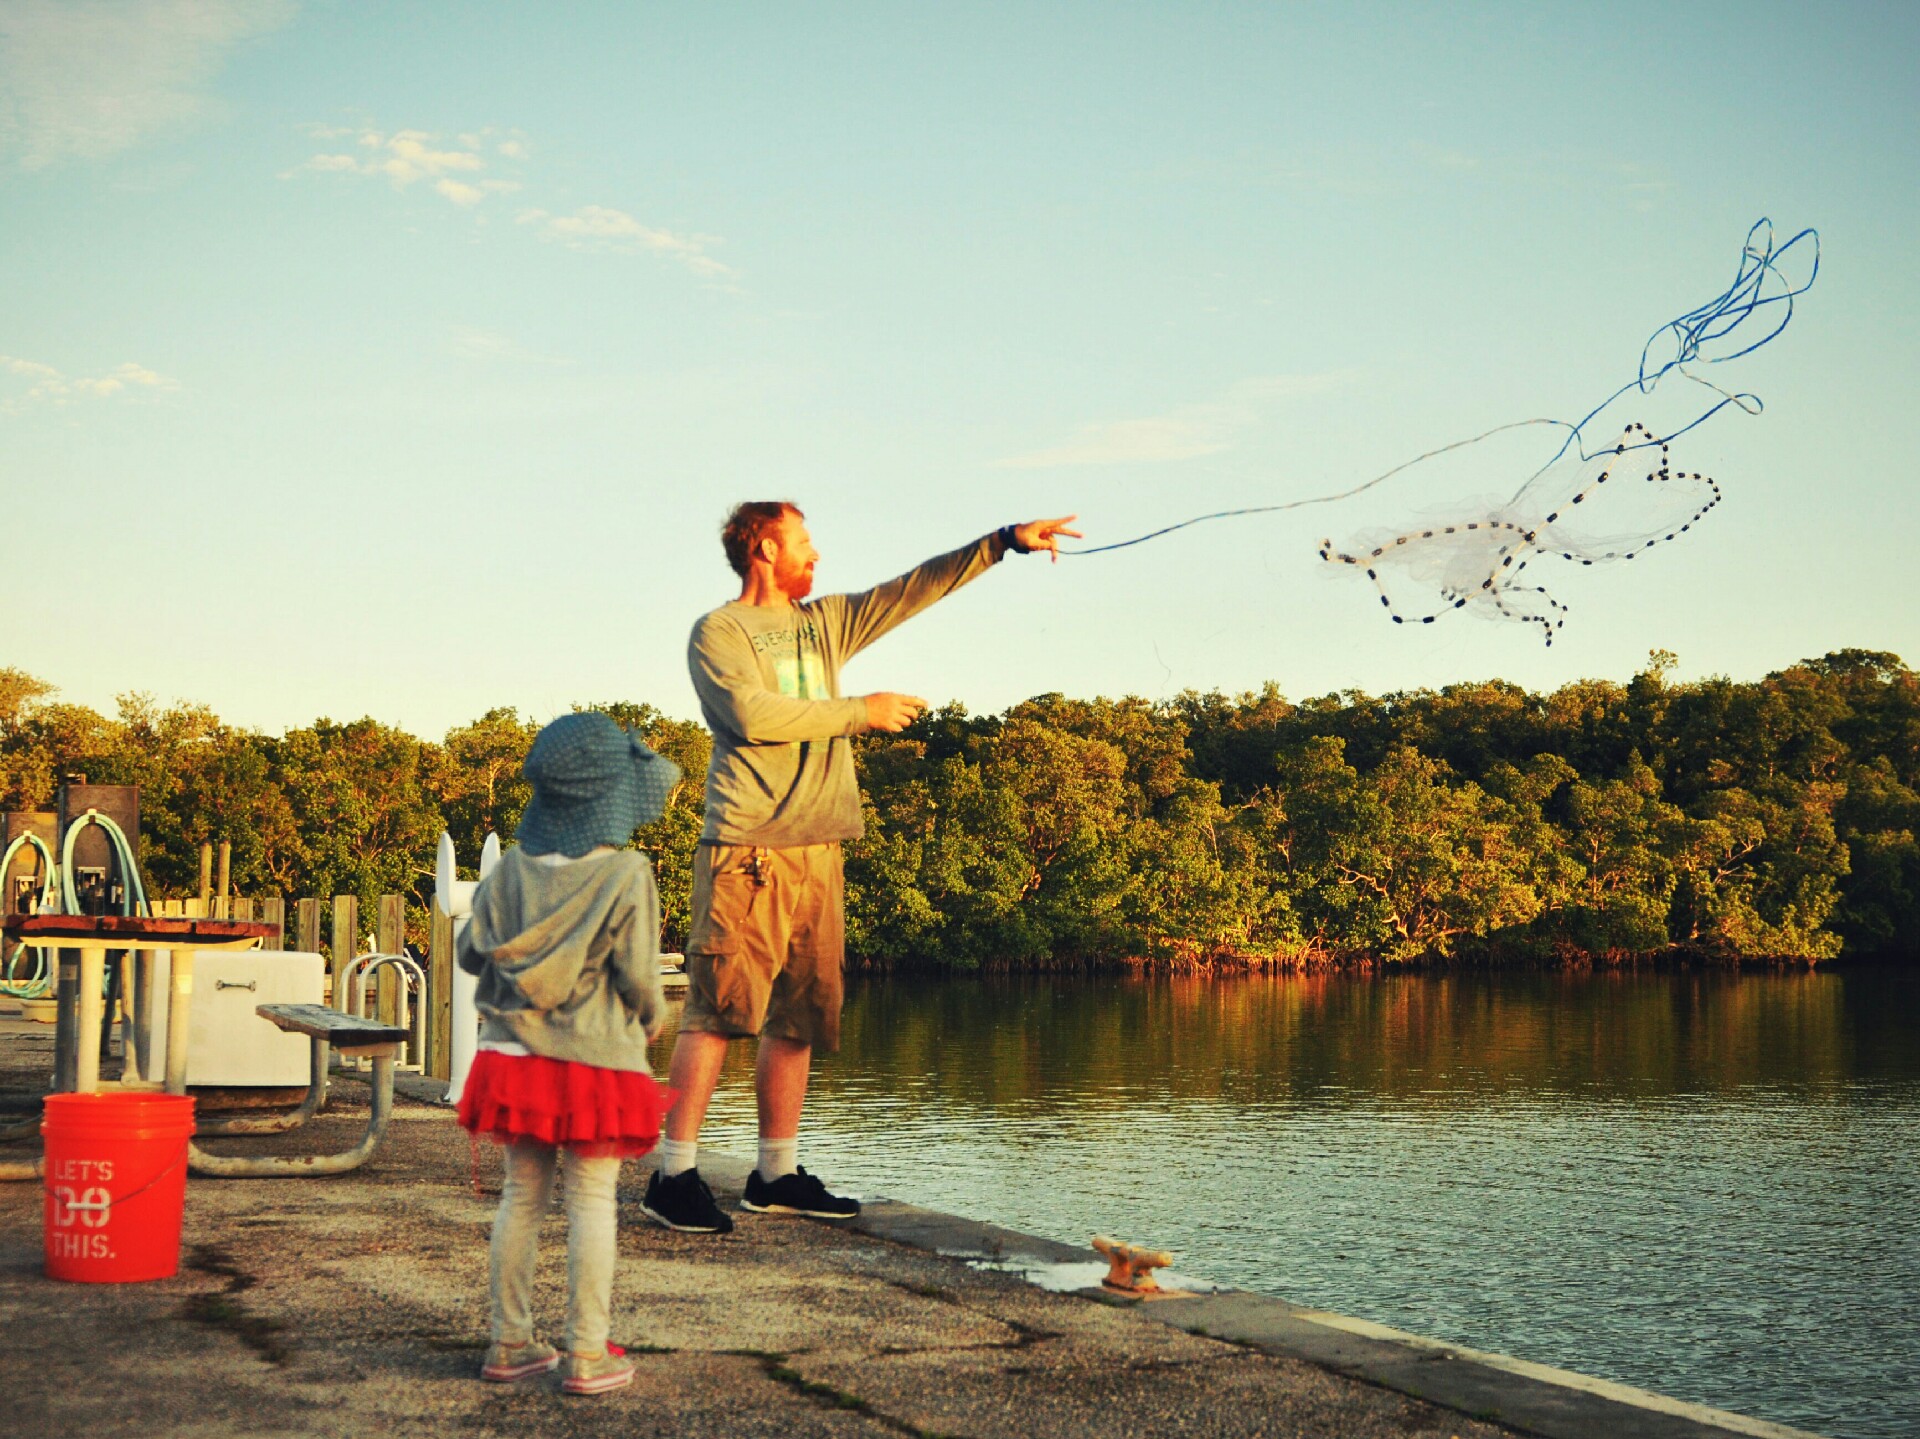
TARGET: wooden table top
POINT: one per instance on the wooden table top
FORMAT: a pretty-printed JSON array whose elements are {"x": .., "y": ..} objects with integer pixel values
[{"x": 132, "y": 931}]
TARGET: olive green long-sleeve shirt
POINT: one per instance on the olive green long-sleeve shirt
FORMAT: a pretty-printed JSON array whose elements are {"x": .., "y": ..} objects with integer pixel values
[{"x": 769, "y": 685}]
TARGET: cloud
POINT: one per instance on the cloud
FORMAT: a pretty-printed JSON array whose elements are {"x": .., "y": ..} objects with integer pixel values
[
  {"x": 42, "y": 383},
  {"x": 596, "y": 227},
  {"x": 409, "y": 156},
  {"x": 458, "y": 171},
  {"x": 404, "y": 157},
  {"x": 84, "y": 79},
  {"x": 119, "y": 378},
  {"x": 1183, "y": 433},
  {"x": 492, "y": 347}
]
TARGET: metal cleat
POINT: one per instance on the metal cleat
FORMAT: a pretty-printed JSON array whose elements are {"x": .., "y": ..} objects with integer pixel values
[{"x": 1131, "y": 1269}]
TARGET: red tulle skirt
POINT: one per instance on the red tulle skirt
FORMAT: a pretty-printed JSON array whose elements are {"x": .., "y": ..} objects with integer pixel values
[{"x": 588, "y": 1109}]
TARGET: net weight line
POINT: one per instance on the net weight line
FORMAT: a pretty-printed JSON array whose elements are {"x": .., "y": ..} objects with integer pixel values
[{"x": 1511, "y": 556}]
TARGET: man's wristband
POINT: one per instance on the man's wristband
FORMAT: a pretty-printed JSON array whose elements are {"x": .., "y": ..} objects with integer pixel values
[{"x": 1010, "y": 537}]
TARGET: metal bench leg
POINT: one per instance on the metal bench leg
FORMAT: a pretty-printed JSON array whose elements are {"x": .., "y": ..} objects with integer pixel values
[{"x": 239, "y": 1166}]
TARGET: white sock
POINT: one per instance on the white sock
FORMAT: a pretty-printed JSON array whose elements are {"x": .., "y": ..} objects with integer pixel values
[
  {"x": 676, "y": 1155},
  {"x": 778, "y": 1158}
]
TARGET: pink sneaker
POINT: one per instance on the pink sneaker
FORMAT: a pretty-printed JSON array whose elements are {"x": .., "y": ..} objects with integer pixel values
[
  {"x": 508, "y": 1362},
  {"x": 597, "y": 1373}
]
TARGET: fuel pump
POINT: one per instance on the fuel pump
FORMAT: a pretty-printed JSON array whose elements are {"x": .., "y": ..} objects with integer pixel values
[
  {"x": 26, "y": 973},
  {"x": 99, "y": 827}
]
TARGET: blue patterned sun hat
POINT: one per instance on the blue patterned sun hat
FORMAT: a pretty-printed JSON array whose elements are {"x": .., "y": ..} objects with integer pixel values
[{"x": 593, "y": 784}]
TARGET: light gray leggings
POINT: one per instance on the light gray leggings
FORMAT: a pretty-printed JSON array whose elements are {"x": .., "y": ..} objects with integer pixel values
[{"x": 525, "y": 1194}]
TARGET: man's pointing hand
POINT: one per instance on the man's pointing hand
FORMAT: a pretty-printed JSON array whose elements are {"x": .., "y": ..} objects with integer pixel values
[{"x": 1042, "y": 534}]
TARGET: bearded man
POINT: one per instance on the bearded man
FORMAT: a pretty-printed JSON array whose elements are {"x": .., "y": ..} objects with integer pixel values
[{"x": 765, "y": 951}]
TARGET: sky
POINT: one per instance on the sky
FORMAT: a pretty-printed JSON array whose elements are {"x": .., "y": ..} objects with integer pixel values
[{"x": 404, "y": 360}]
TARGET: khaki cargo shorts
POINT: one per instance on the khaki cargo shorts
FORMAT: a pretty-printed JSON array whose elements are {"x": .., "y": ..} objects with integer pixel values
[{"x": 768, "y": 943}]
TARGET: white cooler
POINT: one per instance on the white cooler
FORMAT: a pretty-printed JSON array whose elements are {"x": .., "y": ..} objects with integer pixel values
[{"x": 227, "y": 1043}]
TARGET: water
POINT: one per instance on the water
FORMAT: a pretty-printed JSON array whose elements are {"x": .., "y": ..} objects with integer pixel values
[{"x": 1704, "y": 1185}]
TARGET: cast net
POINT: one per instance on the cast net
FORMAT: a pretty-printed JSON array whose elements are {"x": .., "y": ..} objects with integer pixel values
[{"x": 1609, "y": 491}]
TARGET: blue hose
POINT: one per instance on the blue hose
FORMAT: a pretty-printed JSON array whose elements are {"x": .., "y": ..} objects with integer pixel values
[
  {"x": 134, "y": 900},
  {"x": 38, "y": 984}
]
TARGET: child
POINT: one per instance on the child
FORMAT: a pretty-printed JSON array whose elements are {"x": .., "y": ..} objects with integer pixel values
[{"x": 564, "y": 938}]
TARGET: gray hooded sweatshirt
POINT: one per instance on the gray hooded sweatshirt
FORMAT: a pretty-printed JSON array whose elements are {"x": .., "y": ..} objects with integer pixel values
[{"x": 568, "y": 957}]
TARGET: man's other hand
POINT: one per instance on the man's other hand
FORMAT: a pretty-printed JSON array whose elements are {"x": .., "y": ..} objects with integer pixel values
[
  {"x": 1043, "y": 534},
  {"x": 891, "y": 713}
]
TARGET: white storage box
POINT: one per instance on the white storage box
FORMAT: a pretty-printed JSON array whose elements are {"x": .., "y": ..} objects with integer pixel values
[{"x": 227, "y": 1043}]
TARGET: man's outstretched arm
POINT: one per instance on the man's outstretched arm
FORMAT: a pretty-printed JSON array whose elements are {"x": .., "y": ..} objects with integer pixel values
[{"x": 862, "y": 618}]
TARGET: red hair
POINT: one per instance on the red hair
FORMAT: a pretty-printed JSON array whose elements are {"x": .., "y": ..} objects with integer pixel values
[{"x": 750, "y": 523}]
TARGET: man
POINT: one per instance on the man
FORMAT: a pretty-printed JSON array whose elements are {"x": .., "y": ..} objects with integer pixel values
[{"x": 764, "y": 955}]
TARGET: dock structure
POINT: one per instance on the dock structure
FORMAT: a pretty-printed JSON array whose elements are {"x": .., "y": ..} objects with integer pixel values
[{"x": 358, "y": 1303}]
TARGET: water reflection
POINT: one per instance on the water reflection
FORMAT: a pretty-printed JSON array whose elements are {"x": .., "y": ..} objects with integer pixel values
[{"x": 1703, "y": 1184}]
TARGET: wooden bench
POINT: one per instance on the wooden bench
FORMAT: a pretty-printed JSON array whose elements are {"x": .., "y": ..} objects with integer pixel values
[{"x": 328, "y": 1030}]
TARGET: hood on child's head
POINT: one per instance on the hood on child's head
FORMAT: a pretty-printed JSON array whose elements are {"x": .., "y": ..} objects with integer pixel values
[{"x": 593, "y": 784}]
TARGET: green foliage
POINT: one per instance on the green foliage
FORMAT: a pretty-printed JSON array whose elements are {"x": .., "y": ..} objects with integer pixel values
[
  {"x": 1625, "y": 840},
  {"x": 363, "y": 806},
  {"x": 322, "y": 810},
  {"x": 1600, "y": 823},
  {"x": 670, "y": 840},
  {"x": 478, "y": 781},
  {"x": 1480, "y": 823}
]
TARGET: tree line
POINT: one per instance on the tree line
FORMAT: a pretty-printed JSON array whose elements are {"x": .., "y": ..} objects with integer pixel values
[{"x": 1477, "y": 824}]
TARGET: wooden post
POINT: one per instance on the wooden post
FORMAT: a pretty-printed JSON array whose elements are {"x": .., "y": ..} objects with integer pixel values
[
  {"x": 391, "y": 938},
  {"x": 206, "y": 875},
  {"x": 223, "y": 884},
  {"x": 306, "y": 926},
  {"x": 242, "y": 908},
  {"x": 440, "y": 995},
  {"x": 346, "y": 944},
  {"x": 273, "y": 911}
]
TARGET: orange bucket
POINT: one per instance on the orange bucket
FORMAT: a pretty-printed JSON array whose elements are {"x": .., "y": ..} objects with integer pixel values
[{"x": 116, "y": 1182}]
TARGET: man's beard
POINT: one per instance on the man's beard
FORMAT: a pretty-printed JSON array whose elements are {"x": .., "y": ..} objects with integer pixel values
[{"x": 796, "y": 584}]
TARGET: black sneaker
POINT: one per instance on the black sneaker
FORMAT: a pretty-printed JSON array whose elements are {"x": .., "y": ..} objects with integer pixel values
[
  {"x": 796, "y": 1193},
  {"x": 682, "y": 1201}
]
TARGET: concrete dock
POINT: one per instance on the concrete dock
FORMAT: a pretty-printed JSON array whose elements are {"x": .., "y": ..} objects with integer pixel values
[{"x": 358, "y": 1304}]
